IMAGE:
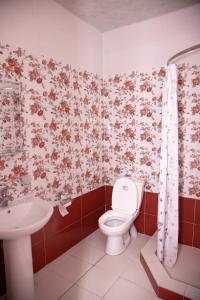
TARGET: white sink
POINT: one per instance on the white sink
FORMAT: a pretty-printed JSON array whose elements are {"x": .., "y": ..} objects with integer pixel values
[
  {"x": 24, "y": 218},
  {"x": 17, "y": 223}
]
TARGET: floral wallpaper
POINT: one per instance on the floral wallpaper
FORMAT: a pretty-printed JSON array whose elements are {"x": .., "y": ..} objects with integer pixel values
[
  {"x": 62, "y": 127},
  {"x": 132, "y": 127},
  {"x": 81, "y": 131}
]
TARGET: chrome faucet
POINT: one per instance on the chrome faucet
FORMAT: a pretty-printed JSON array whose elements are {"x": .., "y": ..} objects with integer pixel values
[{"x": 4, "y": 196}]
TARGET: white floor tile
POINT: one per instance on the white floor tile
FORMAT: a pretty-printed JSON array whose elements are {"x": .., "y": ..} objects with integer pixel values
[
  {"x": 98, "y": 281},
  {"x": 133, "y": 250},
  {"x": 42, "y": 274},
  {"x": 116, "y": 263},
  {"x": 97, "y": 239},
  {"x": 51, "y": 287},
  {"x": 77, "y": 293},
  {"x": 136, "y": 273},
  {"x": 188, "y": 259},
  {"x": 69, "y": 267},
  {"x": 126, "y": 290},
  {"x": 87, "y": 252},
  {"x": 96, "y": 235}
]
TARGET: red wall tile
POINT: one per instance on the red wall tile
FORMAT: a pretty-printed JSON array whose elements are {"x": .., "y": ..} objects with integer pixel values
[
  {"x": 108, "y": 195},
  {"x": 185, "y": 233},
  {"x": 142, "y": 207},
  {"x": 90, "y": 222},
  {"x": 57, "y": 223},
  {"x": 186, "y": 209},
  {"x": 150, "y": 224},
  {"x": 108, "y": 208},
  {"x": 151, "y": 204},
  {"x": 37, "y": 237},
  {"x": 197, "y": 212},
  {"x": 196, "y": 240},
  {"x": 62, "y": 241},
  {"x": 93, "y": 200},
  {"x": 38, "y": 253},
  {"x": 169, "y": 295},
  {"x": 149, "y": 274},
  {"x": 139, "y": 223}
]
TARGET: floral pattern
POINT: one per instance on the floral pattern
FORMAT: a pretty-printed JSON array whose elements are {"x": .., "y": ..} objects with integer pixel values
[
  {"x": 62, "y": 131},
  {"x": 81, "y": 131},
  {"x": 132, "y": 110},
  {"x": 167, "y": 240}
]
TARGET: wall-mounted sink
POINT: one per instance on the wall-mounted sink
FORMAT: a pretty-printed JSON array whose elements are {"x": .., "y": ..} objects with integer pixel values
[
  {"x": 24, "y": 218},
  {"x": 17, "y": 223}
]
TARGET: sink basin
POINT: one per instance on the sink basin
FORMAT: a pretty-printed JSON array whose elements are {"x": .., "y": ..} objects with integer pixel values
[
  {"x": 24, "y": 218},
  {"x": 17, "y": 223}
]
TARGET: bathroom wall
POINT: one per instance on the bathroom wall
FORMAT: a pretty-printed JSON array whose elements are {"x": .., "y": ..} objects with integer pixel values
[
  {"x": 133, "y": 69},
  {"x": 133, "y": 61},
  {"x": 46, "y": 28},
  {"x": 62, "y": 126},
  {"x": 65, "y": 104},
  {"x": 132, "y": 127},
  {"x": 149, "y": 44}
]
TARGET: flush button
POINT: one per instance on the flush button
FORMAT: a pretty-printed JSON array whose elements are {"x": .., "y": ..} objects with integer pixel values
[{"x": 125, "y": 188}]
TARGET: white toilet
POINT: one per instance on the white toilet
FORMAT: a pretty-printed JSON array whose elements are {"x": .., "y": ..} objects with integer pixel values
[{"x": 116, "y": 223}]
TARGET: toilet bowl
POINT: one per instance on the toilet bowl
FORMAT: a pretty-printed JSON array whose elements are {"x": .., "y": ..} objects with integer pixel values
[{"x": 116, "y": 223}]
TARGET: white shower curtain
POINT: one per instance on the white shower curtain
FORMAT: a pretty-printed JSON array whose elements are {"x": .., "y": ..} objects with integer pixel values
[{"x": 167, "y": 242}]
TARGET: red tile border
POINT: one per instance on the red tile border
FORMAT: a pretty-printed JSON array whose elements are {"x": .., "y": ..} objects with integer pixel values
[
  {"x": 160, "y": 291},
  {"x": 90, "y": 222},
  {"x": 150, "y": 224},
  {"x": 197, "y": 212},
  {"x": 185, "y": 233},
  {"x": 169, "y": 295},
  {"x": 151, "y": 203},
  {"x": 186, "y": 209},
  {"x": 139, "y": 223},
  {"x": 93, "y": 200},
  {"x": 38, "y": 253},
  {"x": 62, "y": 241},
  {"x": 196, "y": 240},
  {"x": 149, "y": 274},
  {"x": 108, "y": 195},
  {"x": 37, "y": 237},
  {"x": 57, "y": 223}
]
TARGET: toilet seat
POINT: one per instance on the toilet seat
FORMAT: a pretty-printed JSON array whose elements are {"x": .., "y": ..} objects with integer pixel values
[{"x": 108, "y": 221}]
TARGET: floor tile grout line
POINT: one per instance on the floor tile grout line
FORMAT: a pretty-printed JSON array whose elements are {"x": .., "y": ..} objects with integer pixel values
[
  {"x": 75, "y": 283},
  {"x": 92, "y": 266}
]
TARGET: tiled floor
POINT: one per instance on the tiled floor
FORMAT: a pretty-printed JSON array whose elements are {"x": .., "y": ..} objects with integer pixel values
[
  {"x": 86, "y": 273},
  {"x": 188, "y": 259}
]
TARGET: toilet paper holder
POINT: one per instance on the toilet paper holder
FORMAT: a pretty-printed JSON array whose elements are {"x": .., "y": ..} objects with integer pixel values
[
  {"x": 63, "y": 204},
  {"x": 63, "y": 199}
]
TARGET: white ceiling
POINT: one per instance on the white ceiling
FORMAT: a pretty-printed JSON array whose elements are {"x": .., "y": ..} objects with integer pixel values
[{"x": 109, "y": 14}]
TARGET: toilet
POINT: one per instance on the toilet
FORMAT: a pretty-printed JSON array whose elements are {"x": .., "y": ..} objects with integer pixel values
[{"x": 116, "y": 223}]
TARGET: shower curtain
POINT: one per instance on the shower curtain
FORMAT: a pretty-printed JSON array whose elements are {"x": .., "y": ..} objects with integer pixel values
[{"x": 167, "y": 241}]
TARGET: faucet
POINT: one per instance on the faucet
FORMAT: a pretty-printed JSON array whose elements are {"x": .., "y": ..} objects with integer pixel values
[{"x": 4, "y": 196}]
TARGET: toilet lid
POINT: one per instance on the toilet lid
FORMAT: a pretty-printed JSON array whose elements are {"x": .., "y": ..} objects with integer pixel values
[{"x": 125, "y": 195}]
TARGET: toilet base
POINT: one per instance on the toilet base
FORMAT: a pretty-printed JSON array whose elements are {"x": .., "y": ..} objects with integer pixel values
[{"x": 115, "y": 245}]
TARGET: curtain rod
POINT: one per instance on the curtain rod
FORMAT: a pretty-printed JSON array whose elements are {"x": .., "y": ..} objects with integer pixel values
[{"x": 186, "y": 51}]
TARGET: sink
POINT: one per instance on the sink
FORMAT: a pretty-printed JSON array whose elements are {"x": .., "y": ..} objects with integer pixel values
[
  {"x": 17, "y": 223},
  {"x": 24, "y": 218}
]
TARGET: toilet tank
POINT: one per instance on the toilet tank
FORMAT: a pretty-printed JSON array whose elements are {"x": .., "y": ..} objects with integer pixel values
[{"x": 127, "y": 195}]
